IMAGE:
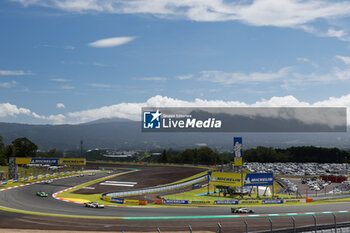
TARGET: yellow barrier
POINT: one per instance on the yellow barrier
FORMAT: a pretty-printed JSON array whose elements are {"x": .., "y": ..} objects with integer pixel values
[
  {"x": 10, "y": 181},
  {"x": 292, "y": 201},
  {"x": 131, "y": 202},
  {"x": 107, "y": 198}
]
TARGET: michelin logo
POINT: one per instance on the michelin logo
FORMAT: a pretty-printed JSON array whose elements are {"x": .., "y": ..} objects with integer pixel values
[{"x": 152, "y": 120}]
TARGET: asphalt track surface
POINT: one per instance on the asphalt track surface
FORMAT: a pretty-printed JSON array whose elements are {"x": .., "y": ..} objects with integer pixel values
[{"x": 25, "y": 198}]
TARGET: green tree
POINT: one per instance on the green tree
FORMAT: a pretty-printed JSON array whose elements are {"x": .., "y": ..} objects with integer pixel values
[
  {"x": 23, "y": 147},
  {"x": 51, "y": 153}
]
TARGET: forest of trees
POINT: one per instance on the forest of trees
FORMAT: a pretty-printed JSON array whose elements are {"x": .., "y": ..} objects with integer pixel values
[
  {"x": 23, "y": 147},
  {"x": 203, "y": 155},
  {"x": 20, "y": 147}
]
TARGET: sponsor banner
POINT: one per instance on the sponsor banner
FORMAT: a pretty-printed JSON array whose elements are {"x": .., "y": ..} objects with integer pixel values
[
  {"x": 64, "y": 173},
  {"x": 35, "y": 177},
  {"x": 47, "y": 175},
  {"x": 10, "y": 181},
  {"x": 244, "y": 119},
  {"x": 58, "y": 173},
  {"x": 196, "y": 186},
  {"x": 238, "y": 152},
  {"x": 21, "y": 179},
  {"x": 51, "y": 175},
  {"x": 226, "y": 179},
  {"x": 15, "y": 180},
  {"x": 43, "y": 176},
  {"x": 202, "y": 202},
  {"x": 272, "y": 202},
  {"x": 258, "y": 179},
  {"x": 30, "y": 178},
  {"x": 117, "y": 200},
  {"x": 106, "y": 198},
  {"x": 175, "y": 201},
  {"x": 3, "y": 182},
  {"x": 73, "y": 172},
  {"x": 293, "y": 200},
  {"x": 250, "y": 202},
  {"x": 25, "y": 178},
  {"x": 54, "y": 174},
  {"x": 36, "y": 161},
  {"x": 131, "y": 202},
  {"x": 227, "y": 202},
  {"x": 66, "y": 161}
]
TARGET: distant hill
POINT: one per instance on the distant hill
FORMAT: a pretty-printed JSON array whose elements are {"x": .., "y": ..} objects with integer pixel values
[{"x": 126, "y": 134}]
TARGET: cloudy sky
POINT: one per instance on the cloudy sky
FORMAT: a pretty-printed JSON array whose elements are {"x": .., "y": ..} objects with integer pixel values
[{"x": 72, "y": 61}]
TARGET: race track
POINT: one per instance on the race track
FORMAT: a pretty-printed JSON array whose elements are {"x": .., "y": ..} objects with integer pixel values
[{"x": 25, "y": 198}]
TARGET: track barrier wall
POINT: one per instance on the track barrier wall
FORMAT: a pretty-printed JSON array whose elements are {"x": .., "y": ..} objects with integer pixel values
[
  {"x": 36, "y": 177},
  {"x": 233, "y": 202}
]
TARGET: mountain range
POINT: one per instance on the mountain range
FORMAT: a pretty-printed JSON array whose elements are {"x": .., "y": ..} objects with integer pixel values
[{"x": 123, "y": 134}]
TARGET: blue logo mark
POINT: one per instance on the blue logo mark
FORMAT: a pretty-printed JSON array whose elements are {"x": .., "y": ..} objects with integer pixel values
[{"x": 152, "y": 120}]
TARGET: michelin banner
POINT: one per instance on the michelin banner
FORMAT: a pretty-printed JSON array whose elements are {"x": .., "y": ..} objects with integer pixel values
[
  {"x": 226, "y": 179},
  {"x": 237, "y": 149},
  {"x": 258, "y": 179},
  {"x": 63, "y": 161}
]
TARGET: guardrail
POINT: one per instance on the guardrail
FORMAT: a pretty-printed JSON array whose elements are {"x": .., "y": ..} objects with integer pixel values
[{"x": 154, "y": 189}]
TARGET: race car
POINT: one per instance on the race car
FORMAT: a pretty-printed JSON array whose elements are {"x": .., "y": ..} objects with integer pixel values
[
  {"x": 42, "y": 194},
  {"x": 49, "y": 181},
  {"x": 94, "y": 205},
  {"x": 242, "y": 210}
]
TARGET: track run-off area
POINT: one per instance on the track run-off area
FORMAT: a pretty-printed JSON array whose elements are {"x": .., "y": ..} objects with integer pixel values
[{"x": 22, "y": 208}]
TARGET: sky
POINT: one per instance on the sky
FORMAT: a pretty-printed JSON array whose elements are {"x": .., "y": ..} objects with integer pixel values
[{"x": 75, "y": 61}]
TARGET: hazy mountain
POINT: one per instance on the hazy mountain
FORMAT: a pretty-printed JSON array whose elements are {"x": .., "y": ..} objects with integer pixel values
[{"x": 124, "y": 134}]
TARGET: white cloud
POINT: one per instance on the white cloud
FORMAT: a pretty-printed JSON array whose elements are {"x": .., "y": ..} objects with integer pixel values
[
  {"x": 305, "y": 60},
  {"x": 100, "y": 85},
  {"x": 7, "y": 109},
  {"x": 255, "y": 77},
  {"x": 184, "y": 77},
  {"x": 278, "y": 13},
  {"x": 14, "y": 72},
  {"x": 8, "y": 84},
  {"x": 60, "y": 105},
  {"x": 346, "y": 60},
  {"x": 132, "y": 110},
  {"x": 67, "y": 87},
  {"x": 69, "y": 47},
  {"x": 111, "y": 42},
  {"x": 152, "y": 79},
  {"x": 60, "y": 80}
]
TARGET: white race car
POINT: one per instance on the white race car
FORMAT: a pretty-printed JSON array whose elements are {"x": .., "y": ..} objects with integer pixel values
[
  {"x": 49, "y": 181},
  {"x": 242, "y": 210},
  {"x": 94, "y": 205}
]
